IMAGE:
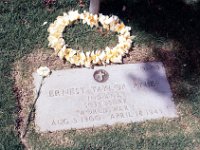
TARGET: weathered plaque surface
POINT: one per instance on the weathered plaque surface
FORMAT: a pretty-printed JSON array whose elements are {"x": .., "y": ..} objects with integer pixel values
[{"x": 83, "y": 98}]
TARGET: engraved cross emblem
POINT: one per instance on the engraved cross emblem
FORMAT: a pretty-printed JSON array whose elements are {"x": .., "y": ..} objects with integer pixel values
[{"x": 101, "y": 75}]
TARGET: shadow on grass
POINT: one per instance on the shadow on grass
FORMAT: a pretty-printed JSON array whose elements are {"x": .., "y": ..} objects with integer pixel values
[{"x": 171, "y": 20}]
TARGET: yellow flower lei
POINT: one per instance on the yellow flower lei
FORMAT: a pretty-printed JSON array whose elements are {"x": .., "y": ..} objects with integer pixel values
[{"x": 89, "y": 58}]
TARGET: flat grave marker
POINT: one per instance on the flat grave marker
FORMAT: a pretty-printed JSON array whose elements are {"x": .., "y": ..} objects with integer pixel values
[{"x": 83, "y": 98}]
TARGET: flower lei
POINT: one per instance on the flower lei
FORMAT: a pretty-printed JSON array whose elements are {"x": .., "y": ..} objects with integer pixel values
[{"x": 89, "y": 58}]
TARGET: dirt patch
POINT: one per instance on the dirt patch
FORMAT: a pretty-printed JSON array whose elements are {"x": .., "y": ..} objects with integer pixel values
[
  {"x": 22, "y": 74},
  {"x": 24, "y": 68}
]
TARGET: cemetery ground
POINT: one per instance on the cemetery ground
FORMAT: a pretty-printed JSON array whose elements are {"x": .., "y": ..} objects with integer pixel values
[{"x": 166, "y": 31}]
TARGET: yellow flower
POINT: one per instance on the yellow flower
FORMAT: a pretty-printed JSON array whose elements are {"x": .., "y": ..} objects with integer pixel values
[
  {"x": 119, "y": 27},
  {"x": 78, "y": 59},
  {"x": 65, "y": 52},
  {"x": 123, "y": 39},
  {"x": 102, "y": 55},
  {"x": 113, "y": 21},
  {"x": 60, "y": 20},
  {"x": 66, "y": 19},
  {"x": 126, "y": 35},
  {"x": 127, "y": 46},
  {"x": 52, "y": 41},
  {"x": 108, "y": 55},
  {"x": 59, "y": 24},
  {"x": 112, "y": 55},
  {"x": 82, "y": 58},
  {"x": 59, "y": 44},
  {"x": 84, "y": 16},
  {"x": 57, "y": 34},
  {"x": 125, "y": 30},
  {"x": 56, "y": 43},
  {"x": 61, "y": 53},
  {"x": 88, "y": 60},
  {"x": 102, "y": 20},
  {"x": 69, "y": 53},
  {"x": 55, "y": 30},
  {"x": 123, "y": 47},
  {"x": 116, "y": 59},
  {"x": 87, "y": 64},
  {"x": 95, "y": 56},
  {"x": 92, "y": 20},
  {"x": 73, "y": 15},
  {"x": 120, "y": 49},
  {"x": 52, "y": 28}
]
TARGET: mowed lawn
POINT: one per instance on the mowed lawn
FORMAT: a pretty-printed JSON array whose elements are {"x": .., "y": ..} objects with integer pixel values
[{"x": 170, "y": 30}]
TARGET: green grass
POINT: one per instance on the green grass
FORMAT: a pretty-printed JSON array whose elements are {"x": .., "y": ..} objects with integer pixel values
[
  {"x": 83, "y": 37},
  {"x": 21, "y": 32}
]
